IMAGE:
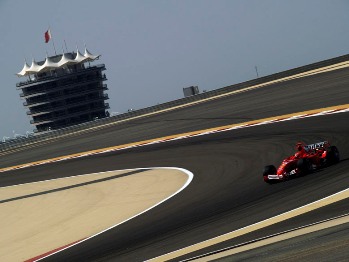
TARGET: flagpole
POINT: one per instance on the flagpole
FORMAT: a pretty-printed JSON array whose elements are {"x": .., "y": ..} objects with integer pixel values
[
  {"x": 66, "y": 48},
  {"x": 53, "y": 41}
]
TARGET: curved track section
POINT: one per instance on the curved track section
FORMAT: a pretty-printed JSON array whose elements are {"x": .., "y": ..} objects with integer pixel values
[
  {"x": 76, "y": 203},
  {"x": 227, "y": 192},
  {"x": 223, "y": 196},
  {"x": 317, "y": 91}
]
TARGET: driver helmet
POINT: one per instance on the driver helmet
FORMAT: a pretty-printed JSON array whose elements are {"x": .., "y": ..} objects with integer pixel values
[{"x": 299, "y": 146}]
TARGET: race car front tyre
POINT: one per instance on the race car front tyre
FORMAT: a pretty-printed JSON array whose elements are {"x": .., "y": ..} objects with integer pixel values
[
  {"x": 268, "y": 170},
  {"x": 332, "y": 155}
]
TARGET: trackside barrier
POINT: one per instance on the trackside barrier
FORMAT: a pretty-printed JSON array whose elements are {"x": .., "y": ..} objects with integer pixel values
[{"x": 87, "y": 127}]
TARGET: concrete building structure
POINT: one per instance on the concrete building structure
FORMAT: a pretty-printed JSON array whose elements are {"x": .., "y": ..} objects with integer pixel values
[
  {"x": 64, "y": 90},
  {"x": 191, "y": 91}
]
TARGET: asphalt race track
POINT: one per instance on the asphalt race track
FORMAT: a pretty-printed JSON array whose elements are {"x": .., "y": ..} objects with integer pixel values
[
  {"x": 228, "y": 191},
  {"x": 318, "y": 91}
]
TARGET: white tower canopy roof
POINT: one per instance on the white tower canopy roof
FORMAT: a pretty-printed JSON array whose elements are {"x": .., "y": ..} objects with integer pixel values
[
  {"x": 34, "y": 68},
  {"x": 79, "y": 57},
  {"x": 89, "y": 56},
  {"x": 51, "y": 62},
  {"x": 24, "y": 70},
  {"x": 65, "y": 60}
]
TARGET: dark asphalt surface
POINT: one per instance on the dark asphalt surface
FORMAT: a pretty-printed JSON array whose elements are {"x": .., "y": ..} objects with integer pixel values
[
  {"x": 312, "y": 92},
  {"x": 327, "y": 212},
  {"x": 310, "y": 247},
  {"x": 227, "y": 192}
]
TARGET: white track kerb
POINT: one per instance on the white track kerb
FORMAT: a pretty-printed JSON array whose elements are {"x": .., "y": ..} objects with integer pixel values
[
  {"x": 187, "y": 172},
  {"x": 292, "y": 213},
  {"x": 266, "y": 121}
]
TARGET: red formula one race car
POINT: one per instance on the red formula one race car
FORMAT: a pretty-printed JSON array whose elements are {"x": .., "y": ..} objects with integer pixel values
[{"x": 307, "y": 159}]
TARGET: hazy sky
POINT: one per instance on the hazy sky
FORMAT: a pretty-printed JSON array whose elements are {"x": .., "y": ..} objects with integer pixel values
[{"x": 152, "y": 49}]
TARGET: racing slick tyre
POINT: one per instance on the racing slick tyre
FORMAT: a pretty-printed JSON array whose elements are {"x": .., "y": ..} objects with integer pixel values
[
  {"x": 332, "y": 155},
  {"x": 304, "y": 166},
  {"x": 268, "y": 170}
]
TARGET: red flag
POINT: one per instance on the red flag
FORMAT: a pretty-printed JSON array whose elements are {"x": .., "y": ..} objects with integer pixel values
[{"x": 47, "y": 36}]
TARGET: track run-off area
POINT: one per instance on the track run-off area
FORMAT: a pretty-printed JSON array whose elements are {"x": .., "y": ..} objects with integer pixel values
[{"x": 223, "y": 142}]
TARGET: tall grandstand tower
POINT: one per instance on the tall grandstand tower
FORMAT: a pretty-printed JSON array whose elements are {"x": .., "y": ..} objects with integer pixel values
[{"x": 64, "y": 90}]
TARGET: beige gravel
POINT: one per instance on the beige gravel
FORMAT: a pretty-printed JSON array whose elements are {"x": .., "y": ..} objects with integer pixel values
[{"x": 35, "y": 225}]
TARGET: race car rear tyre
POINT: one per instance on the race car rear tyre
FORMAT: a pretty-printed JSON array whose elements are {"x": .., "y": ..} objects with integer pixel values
[
  {"x": 304, "y": 166},
  {"x": 332, "y": 155},
  {"x": 269, "y": 170}
]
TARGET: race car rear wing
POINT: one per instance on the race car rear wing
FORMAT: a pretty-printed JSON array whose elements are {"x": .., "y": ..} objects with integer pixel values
[{"x": 316, "y": 145}]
